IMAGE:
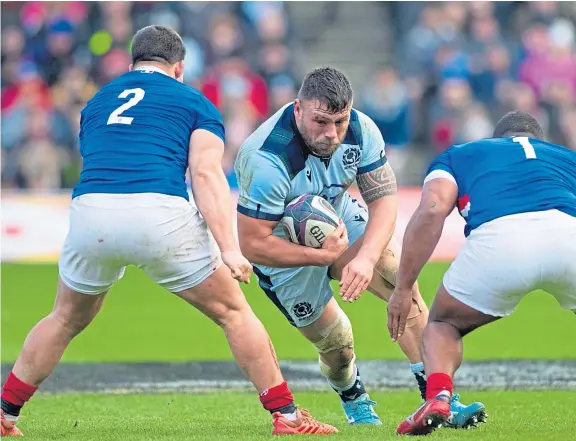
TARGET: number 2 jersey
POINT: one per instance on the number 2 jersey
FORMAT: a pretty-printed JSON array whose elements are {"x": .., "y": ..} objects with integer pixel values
[
  {"x": 503, "y": 176},
  {"x": 135, "y": 134}
]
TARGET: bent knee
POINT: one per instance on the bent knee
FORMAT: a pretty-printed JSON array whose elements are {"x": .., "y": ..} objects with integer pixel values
[
  {"x": 229, "y": 313},
  {"x": 336, "y": 337},
  {"x": 74, "y": 324},
  {"x": 387, "y": 268}
]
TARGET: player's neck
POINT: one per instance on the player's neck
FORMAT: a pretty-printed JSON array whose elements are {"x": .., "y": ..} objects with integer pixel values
[
  {"x": 521, "y": 135},
  {"x": 158, "y": 67}
]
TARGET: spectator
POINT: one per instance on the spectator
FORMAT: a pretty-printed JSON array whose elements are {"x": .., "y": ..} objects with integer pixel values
[
  {"x": 386, "y": 101},
  {"x": 458, "y": 66},
  {"x": 233, "y": 81}
]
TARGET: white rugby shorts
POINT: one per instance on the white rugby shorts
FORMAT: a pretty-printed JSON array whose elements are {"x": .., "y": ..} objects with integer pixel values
[
  {"x": 163, "y": 235},
  {"x": 507, "y": 258}
]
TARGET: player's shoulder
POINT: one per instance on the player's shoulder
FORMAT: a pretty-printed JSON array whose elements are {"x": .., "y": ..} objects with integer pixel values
[
  {"x": 473, "y": 147},
  {"x": 503, "y": 143},
  {"x": 556, "y": 148},
  {"x": 270, "y": 144},
  {"x": 362, "y": 130}
]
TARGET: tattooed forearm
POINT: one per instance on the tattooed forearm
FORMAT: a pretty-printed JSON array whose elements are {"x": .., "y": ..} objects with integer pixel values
[{"x": 377, "y": 183}]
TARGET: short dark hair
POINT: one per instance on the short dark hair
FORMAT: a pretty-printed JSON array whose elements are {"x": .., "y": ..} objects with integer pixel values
[
  {"x": 329, "y": 86},
  {"x": 157, "y": 43},
  {"x": 518, "y": 122}
]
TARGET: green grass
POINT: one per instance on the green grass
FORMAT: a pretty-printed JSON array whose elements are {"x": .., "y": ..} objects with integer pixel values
[
  {"x": 513, "y": 416},
  {"x": 141, "y": 322}
]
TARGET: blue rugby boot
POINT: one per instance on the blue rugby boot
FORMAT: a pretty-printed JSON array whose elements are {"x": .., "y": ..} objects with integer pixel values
[
  {"x": 360, "y": 411},
  {"x": 463, "y": 416},
  {"x": 356, "y": 402}
]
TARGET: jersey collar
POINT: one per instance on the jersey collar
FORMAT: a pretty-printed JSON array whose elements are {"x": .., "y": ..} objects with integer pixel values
[{"x": 152, "y": 68}]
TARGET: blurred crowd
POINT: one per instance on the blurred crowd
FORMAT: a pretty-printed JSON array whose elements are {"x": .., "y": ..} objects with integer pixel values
[
  {"x": 455, "y": 68},
  {"x": 459, "y": 66}
]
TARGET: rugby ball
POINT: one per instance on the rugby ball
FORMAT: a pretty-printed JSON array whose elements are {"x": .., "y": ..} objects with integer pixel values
[{"x": 308, "y": 219}]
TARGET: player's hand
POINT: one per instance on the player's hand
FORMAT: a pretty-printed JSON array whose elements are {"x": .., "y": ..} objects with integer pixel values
[
  {"x": 336, "y": 243},
  {"x": 356, "y": 277},
  {"x": 239, "y": 266},
  {"x": 399, "y": 307}
]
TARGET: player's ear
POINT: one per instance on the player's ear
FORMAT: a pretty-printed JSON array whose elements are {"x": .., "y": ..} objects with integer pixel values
[
  {"x": 297, "y": 107},
  {"x": 131, "y": 67},
  {"x": 179, "y": 71}
]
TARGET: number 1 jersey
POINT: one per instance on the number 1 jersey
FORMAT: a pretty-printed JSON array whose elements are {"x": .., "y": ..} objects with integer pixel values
[
  {"x": 135, "y": 134},
  {"x": 503, "y": 176}
]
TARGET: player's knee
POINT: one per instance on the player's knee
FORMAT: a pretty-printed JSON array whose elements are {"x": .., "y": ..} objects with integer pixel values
[
  {"x": 387, "y": 268},
  {"x": 73, "y": 323},
  {"x": 336, "y": 336},
  {"x": 336, "y": 350},
  {"x": 229, "y": 314},
  {"x": 418, "y": 312}
]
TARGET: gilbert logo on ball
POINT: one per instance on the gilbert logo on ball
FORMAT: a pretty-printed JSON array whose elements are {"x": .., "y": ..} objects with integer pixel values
[{"x": 308, "y": 219}]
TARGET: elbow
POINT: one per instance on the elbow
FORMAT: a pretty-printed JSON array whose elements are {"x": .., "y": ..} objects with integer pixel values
[
  {"x": 248, "y": 247},
  {"x": 433, "y": 212},
  {"x": 201, "y": 175}
]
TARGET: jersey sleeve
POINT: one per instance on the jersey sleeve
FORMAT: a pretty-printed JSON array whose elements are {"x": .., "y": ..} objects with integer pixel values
[
  {"x": 373, "y": 154},
  {"x": 208, "y": 117},
  {"x": 263, "y": 185},
  {"x": 441, "y": 167}
]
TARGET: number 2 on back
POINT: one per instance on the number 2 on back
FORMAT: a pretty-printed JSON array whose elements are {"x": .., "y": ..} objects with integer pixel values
[
  {"x": 528, "y": 148},
  {"x": 115, "y": 117}
]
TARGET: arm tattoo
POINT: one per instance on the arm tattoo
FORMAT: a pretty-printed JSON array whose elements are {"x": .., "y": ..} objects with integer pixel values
[{"x": 377, "y": 183}]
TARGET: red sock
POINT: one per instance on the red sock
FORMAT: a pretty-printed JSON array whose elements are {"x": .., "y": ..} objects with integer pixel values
[
  {"x": 16, "y": 392},
  {"x": 276, "y": 397},
  {"x": 436, "y": 383}
]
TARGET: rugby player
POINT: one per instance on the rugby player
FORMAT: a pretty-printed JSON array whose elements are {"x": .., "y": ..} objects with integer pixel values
[
  {"x": 138, "y": 135},
  {"x": 320, "y": 145},
  {"x": 517, "y": 194}
]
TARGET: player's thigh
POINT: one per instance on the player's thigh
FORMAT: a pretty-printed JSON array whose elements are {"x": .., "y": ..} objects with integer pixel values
[
  {"x": 179, "y": 251},
  {"x": 217, "y": 296},
  {"x": 316, "y": 331},
  {"x": 448, "y": 309},
  {"x": 89, "y": 262},
  {"x": 301, "y": 294},
  {"x": 559, "y": 267},
  {"x": 495, "y": 268},
  {"x": 75, "y": 309}
]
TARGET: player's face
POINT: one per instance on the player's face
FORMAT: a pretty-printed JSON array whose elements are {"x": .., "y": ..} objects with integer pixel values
[{"x": 322, "y": 130}]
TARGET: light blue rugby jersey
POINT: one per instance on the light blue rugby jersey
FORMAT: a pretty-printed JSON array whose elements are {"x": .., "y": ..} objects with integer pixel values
[{"x": 274, "y": 165}]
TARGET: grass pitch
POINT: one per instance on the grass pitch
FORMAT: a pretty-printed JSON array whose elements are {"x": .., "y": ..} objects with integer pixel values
[
  {"x": 514, "y": 416},
  {"x": 141, "y": 322}
]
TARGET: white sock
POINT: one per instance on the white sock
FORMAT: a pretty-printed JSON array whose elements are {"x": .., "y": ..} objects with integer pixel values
[
  {"x": 444, "y": 393},
  {"x": 291, "y": 416},
  {"x": 11, "y": 418}
]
